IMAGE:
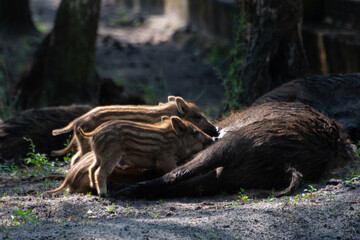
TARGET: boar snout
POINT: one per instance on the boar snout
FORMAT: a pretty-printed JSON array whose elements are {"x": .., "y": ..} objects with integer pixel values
[
  {"x": 212, "y": 131},
  {"x": 207, "y": 142}
]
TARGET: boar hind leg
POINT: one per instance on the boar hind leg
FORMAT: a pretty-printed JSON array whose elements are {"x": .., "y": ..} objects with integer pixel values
[
  {"x": 202, "y": 185},
  {"x": 83, "y": 146},
  {"x": 75, "y": 158},
  {"x": 105, "y": 169},
  {"x": 94, "y": 166}
]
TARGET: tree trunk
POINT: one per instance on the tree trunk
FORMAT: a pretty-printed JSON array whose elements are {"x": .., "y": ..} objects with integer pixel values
[
  {"x": 61, "y": 71},
  {"x": 275, "y": 52},
  {"x": 15, "y": 18}
]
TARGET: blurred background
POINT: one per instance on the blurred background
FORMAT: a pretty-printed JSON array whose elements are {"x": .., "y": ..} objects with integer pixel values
[{"x": 140, "y": 51}]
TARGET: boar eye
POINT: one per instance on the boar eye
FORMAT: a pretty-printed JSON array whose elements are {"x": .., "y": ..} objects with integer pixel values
[{"x": 197, "y": 117}]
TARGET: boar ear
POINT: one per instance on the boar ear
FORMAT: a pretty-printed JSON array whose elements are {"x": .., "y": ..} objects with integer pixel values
[
  {"x": 171, "y": 98},
  {"x": 178, "y": 125},
  {"x": 181, "y": 106},
  {"x": 163, "y": 118}
]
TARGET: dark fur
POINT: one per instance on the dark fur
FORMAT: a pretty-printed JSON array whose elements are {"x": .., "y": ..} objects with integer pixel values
[
  {"x": 336, "y": 95},
  {"x": 37, "y": 125},
  {"x": 272, "y": 149}
]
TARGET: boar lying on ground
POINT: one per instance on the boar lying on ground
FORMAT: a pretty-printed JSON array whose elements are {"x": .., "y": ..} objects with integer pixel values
[
  {"x": 35, "y": 124},
  {"x": 159, "y": 146},
  {"x": 270, "y": 146},
  {"x": 336, "y": 96},
  {"x": 77, "y": 178},
  {"x": 176, "y": 106}
]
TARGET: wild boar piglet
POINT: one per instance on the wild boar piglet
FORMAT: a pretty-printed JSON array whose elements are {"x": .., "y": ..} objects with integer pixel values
[
  {"x": 142, "y": 145},
  {"x": 176, "y": 106}
]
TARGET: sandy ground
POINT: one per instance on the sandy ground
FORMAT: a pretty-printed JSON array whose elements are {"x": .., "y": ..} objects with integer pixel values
[
  {"x": 157, "y": 54},
  {"x": 330, "y": 212}
]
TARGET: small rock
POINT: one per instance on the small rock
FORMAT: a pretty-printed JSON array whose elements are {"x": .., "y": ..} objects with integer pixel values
[{"x": 334, "y": 181}]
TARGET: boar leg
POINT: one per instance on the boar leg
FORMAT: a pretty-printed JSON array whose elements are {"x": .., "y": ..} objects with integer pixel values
[
  {"x": 105, "y": 169},
  {"x": 197, "y": 186},
  {"x": 83, "y": 146},
  {"x": 94, "y": 166}
]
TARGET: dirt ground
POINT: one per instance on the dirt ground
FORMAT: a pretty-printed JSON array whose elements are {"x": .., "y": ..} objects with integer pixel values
[
  {"x": 157, "y": 59},
  {"x": 324, "y": 212}
]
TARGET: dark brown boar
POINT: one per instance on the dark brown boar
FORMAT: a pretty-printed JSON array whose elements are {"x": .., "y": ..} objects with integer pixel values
[
  {"x": 37, "y": 125},
  {"x": 266, "y": 147},
  {"x": 336, "y": 96}
]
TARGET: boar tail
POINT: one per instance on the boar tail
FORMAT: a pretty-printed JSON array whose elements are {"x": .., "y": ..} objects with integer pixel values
[
  {"x": 294, "y": 183},
  {"x": 63, "y": 130},
  {"x": 84, "y": 134}
]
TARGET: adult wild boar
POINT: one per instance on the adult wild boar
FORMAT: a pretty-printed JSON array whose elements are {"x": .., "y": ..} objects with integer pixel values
[
  {"x": 336, "y": 96},
  {"x": 270, "y": 146},
  {"x": 37, "y": 125}
]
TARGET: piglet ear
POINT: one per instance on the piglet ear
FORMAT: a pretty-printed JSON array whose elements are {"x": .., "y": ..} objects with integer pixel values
[
  {"x": 181, "y": 106},
  {"x": 171, "y": 98},
  {"x": 178, "y": 126},
  {"x": 164, "y": 118}
]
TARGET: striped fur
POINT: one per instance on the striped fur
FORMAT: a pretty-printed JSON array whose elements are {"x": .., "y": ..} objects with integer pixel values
[
  {"x": 77, "y": 178},
  {"x": 141, "y": 145},
  {"x": 176, "y": 106}
]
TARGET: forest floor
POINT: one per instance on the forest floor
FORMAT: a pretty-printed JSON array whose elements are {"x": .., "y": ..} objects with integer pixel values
[
  {"x": 329, "y": 211},
  {"x": 157, "y": 59}
]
